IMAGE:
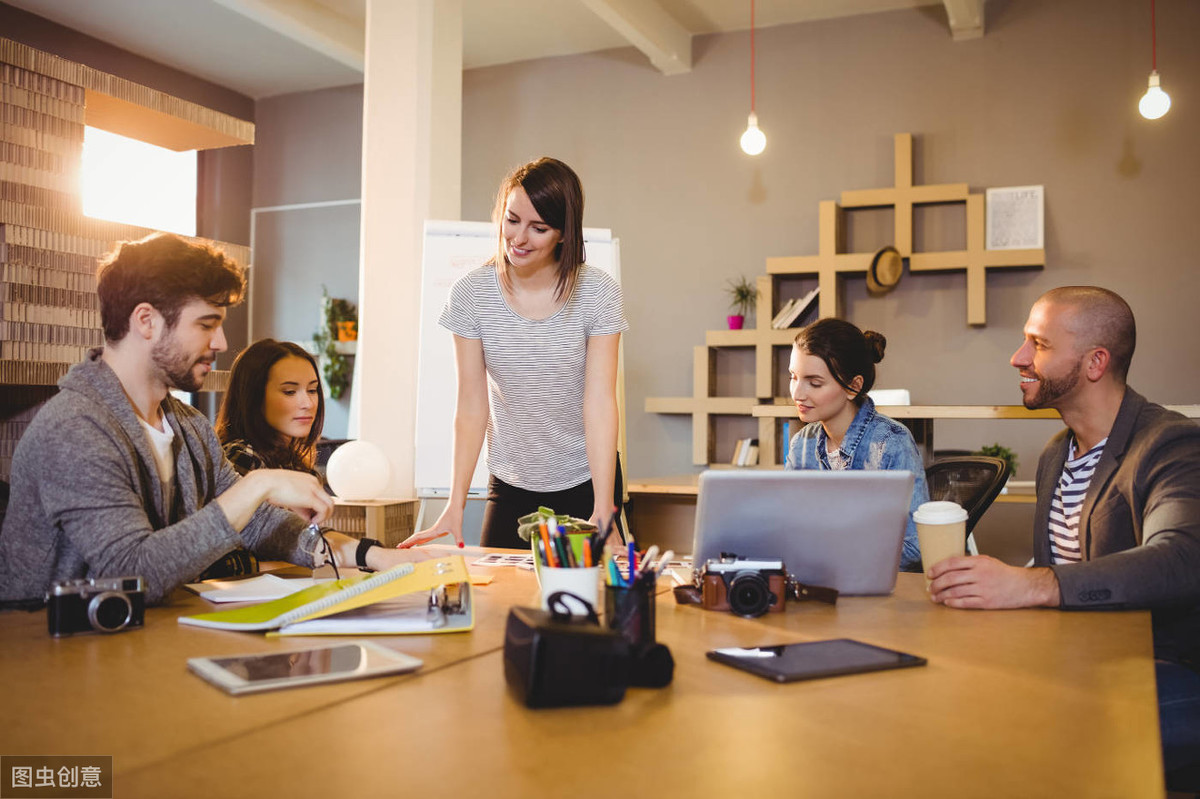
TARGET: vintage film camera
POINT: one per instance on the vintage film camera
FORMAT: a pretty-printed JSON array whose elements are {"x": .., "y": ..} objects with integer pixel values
[
  {"x": 744, "y": 586},
  {"x": 95, "y": 604}
]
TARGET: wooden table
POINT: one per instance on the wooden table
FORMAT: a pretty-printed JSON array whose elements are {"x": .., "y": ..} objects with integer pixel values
[{"x": 1028, "y": 703}]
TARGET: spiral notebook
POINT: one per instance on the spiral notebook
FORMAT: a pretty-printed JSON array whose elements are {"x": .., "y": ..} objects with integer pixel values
[{"x": 342, "y": 604}]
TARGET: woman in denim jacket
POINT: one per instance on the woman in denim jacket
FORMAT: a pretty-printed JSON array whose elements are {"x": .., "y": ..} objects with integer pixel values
[{"x": 831, "y": 370}]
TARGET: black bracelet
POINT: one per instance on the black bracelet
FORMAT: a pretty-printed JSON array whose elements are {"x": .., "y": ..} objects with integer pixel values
[{"x": 360, "y": 554}]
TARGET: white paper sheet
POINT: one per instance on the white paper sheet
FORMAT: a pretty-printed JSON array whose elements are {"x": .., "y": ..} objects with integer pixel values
[{"x": 262, "y": 588}]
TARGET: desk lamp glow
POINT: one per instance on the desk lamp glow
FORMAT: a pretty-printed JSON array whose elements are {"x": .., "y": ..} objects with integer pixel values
[
  {"x": 358, "y": 470},
  {"x": 1155, "y": 102},
  {"x": 753, "y": 141}
]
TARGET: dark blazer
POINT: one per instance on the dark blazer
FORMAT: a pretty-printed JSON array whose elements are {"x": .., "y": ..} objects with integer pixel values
[{"x": 1139, "y": 527}]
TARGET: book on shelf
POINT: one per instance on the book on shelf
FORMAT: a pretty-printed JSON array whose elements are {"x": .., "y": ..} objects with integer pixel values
[
  {"x": 786, "y": 309},
  {"x": 800, "y": 308},
  {"x": 745, "y": 452},
  {"x": 751, "y": 458},
  {"x": 429, "y": 596}
]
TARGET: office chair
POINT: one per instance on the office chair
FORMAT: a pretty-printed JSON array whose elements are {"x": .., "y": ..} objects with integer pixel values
[{"x": 973, "y": 481}]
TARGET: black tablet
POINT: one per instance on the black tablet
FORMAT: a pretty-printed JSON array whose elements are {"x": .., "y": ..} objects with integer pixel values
[{"x": 814, "y": 659}]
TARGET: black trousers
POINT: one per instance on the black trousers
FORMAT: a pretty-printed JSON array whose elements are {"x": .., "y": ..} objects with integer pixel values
[{"x": 506, "y": 504}]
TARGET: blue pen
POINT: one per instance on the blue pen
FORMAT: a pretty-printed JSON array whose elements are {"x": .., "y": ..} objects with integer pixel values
[
  {"x": 632, "y": 558},
  {"x": 572, "y": 561}
]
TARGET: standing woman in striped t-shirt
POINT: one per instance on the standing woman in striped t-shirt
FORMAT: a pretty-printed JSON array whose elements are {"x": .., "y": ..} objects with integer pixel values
[{"x": 535, "y": 345}]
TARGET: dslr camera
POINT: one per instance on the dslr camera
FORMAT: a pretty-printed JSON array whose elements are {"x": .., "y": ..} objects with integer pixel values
[
  {"x": 748, "y": 587},
  {"x": 95, "y": 604}
]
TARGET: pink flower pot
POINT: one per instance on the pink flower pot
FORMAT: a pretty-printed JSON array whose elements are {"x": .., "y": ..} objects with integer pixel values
[{"x": 735, "y": 321}]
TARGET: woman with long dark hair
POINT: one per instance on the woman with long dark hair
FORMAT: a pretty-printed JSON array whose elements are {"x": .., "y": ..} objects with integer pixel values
[
  {"x": 274, "y": 409},
  {"x": 831, "y": 370},
  {"x": 535, "y": 344},
  {"x": 271, "y": 418}
]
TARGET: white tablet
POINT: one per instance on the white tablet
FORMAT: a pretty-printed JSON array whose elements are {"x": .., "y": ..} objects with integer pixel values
[{"x": 267, "y": 671}]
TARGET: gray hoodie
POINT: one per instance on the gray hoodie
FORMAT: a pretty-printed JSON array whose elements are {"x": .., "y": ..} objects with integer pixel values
[{"x": 86, "y": 500}]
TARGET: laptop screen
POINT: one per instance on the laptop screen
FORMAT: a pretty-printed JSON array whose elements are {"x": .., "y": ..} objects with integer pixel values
[{"x": 837, "y": 529}]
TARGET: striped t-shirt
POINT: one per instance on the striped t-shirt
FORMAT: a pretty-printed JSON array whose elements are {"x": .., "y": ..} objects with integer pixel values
[
  {"x": 1068, "y": 501},
  {"x": 535, "y": 371}
]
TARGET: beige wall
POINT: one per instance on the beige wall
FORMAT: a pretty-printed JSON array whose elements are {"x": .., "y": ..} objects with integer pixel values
[{"x": 1048, "y": 96}]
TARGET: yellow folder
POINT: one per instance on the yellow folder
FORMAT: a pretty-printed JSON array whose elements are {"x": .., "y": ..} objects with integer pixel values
[{"x": 340, "y": 597}]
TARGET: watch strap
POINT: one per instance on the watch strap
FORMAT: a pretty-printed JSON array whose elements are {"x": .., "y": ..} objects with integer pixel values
[{"x": 360, "y": 554}]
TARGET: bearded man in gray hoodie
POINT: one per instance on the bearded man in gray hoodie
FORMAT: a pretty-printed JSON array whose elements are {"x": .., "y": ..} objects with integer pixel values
[{"x": 115, "y": 476}]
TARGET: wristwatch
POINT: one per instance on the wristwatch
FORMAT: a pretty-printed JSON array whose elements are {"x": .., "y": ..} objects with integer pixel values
[{"x": 360, "y": 554}]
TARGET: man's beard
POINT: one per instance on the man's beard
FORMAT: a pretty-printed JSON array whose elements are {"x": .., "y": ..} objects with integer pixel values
[
  {"x": 1052, "y": 389},
  {"x": 177, "y": 367}
]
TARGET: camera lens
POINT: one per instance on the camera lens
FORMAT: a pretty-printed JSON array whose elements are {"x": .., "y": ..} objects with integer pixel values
[
  {"x": 749, "y": 594},
  {"x": 109, "y": 612}
]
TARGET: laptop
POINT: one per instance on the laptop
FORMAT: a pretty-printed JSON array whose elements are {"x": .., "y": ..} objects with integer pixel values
[{"x": 838, "y": 529}]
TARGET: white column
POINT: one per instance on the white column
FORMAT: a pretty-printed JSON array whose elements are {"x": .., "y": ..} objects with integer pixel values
[{"x": 412, "y": 171}]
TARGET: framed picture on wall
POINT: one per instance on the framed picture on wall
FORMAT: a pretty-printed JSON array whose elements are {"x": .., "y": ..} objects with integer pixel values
[{"x": 1015, "y": 218}]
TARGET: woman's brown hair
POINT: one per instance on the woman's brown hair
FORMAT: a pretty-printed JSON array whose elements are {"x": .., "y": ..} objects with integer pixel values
[
  {"x": 557, "y": 196},
  {"x": 847, "y": 351},
  {"x": 241, "y": 415}
]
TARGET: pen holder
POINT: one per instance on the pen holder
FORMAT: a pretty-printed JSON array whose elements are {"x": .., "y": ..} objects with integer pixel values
[
  {"x": 581, "y": 583},
  {"x": 574, "y": 539},
  {"x": 630, "y": 611}
]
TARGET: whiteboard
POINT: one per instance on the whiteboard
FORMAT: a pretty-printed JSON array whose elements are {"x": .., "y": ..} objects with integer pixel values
[{"x": 451, "y": 249}]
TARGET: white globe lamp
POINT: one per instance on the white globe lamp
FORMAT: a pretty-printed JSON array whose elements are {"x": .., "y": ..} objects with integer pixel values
[{"x": 358, "y": 470}]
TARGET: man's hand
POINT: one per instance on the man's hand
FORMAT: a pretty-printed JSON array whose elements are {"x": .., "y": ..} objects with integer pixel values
[
  {"x": 298, "y": 492},
  {"x": 979, "y": 581}
]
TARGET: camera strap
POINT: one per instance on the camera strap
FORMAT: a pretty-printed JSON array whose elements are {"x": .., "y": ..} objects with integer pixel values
[
  {"x": 23, "y": 604},
  {"x": 818, "y": 593}
]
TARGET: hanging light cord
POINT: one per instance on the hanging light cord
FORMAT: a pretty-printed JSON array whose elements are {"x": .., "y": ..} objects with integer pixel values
[
  {"x": 1153, "y": 41},
  {"x": 751, "y": 56}
]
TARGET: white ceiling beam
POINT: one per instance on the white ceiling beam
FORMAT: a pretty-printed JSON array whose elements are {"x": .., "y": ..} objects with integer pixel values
[
  {"x": 650, "y": 29},
  {"x": 313, "y": 25},
  {"x": 966, "y": 18}
]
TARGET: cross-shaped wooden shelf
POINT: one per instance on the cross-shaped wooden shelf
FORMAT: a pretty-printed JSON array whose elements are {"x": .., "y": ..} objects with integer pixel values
[
  {"x": 830, "y": 262},
  {"x": 829, "y": 265}
]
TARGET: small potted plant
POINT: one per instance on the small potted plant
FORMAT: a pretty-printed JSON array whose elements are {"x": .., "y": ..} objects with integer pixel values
[
  {"x": 339, "y": 321},
  {"x": 744, "y": 294},
  {"x": 1002, "y": 452}
]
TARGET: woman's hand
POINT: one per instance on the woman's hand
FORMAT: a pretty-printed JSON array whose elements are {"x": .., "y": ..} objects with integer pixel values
[
  {"x": 383, "y": 558},
  {"x": 449, "y": 523},
  {"x": 345, "y": 550},
  {"x": 601, "y": 518}
]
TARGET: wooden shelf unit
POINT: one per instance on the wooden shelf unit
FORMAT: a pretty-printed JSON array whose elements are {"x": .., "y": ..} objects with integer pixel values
[{"x": 830, "y": 266}]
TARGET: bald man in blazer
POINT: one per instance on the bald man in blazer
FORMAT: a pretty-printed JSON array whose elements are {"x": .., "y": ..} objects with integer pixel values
[{"x": 1117, "y": 523}]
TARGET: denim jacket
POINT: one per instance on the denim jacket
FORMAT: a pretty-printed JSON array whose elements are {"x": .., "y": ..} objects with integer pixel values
[{"x": 873, "y": 441}]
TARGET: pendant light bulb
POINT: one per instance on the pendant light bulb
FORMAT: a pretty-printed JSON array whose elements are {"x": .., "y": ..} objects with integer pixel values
[
  {"x": 753, "y": 141},
  {"x": 1155, "y": 102}
]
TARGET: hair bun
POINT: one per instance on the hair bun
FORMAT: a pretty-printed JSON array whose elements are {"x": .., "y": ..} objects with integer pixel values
[{"x": 876, "y": 344}]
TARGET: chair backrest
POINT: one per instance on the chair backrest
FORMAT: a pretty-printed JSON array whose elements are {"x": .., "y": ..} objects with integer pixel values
[{"x": 972, "y": 481}]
